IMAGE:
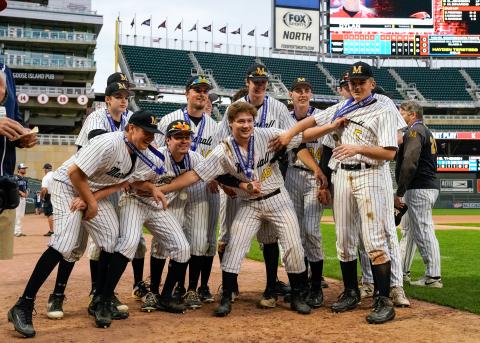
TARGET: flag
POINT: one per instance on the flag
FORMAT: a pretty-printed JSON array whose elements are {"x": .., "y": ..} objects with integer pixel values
[
  {"x": 179, "y": 26},
  {"x": 118, "y": 19},
  {"x": 251, "y": 33},
  {"x": 208, "y": 28},
  {"x": 194, "y": 28},
  {"x": 236, "y": 32},
  {"x": 223, "y": 29},
  {"x": 217, "y": 46},
  {"x": 146, "y": 22},
  {"x": 164, "y": 24},
  {"x": 133, "y": 22},
  {"x": 265, "y": 34},
  {"x": 156, "y": 40}
]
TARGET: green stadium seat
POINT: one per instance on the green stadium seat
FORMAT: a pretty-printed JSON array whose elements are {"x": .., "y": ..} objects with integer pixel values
[
  {"x": 435, "y": 127},
  {"x": 159, "y": 109}
]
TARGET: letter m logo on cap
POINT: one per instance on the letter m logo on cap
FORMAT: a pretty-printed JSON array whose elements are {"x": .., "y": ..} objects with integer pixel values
[
  {"x": 261, "y": 71},
  {"x": 121, "y": 86},
  {"x": 153, "y": 120},
  {"x": 357, "y": 69}
]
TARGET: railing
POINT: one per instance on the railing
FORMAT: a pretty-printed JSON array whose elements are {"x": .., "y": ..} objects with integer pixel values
[
  {"x": 70, "y": 8},
  {"x": 19, "y": 32},
  {"x": 66, "y": 62},
  {"x": 453, "y": 117},
  {"x": 52, "y": 139},
  {"x": 54, "y": 91}
]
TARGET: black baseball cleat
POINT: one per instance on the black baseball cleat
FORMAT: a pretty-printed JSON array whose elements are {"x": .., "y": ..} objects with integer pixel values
[
  {"x": 348, "y": 300},
  {"x": 179, "y": 293},
  {"x": 315, "y": 298},
  {"x": 298, "y": 304},
  {"x": 324, "y": 283},
  {"x": 55, "y": 306},
  {"x": 169, "y": 304},
  {"x": 382, "y": 312},
  {"x": 205, "y": 295},
  {"x": 103, "y": 314},
  {"x": 93, "y": 304},
  {"x": 116, "y": 314},
  {"x": 282, "y": 289},
  {"x": 20, "y": 315},
  {"x": 224, "y": 308}
]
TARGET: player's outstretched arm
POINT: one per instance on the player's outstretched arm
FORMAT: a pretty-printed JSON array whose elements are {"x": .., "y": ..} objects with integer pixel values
[
  {"x": 374, "y": 152},
  {"x": 80, "y": 183},
  {"x": 319, "y": 131},
  {"x": 180, "y": 182},
  {"x": 105, "y": 192},
  {"x": 283, "y": 139},
  {"x": 306, "y": 157}
]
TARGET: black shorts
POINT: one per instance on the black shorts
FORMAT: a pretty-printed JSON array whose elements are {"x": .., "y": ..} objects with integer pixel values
[{"x": 47, "y": 206}]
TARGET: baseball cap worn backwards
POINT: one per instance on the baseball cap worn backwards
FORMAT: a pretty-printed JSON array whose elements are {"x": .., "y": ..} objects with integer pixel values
[
  {"x": 360, "y": 70},
  {"x": 300, "y": 81},
  {"x": 257, "y": 72},
  {"x": 198, "y": 80},
  {"x": 117, "y": 87},
  {"x": 120, "y": 77},
  {"x": 145, "y": 120},
  {"x": 178, "y": 126}
]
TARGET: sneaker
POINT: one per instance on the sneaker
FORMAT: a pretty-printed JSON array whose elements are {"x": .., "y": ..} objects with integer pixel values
[
  {"x": 192, "y": 300},
  {"x": 20, "y": 315},
  {"x": 179, "y": 294},
  {"x": 48, "y": 234},
  {"x": 168, "y": 304},
  {"x": 324, "y": 283},
  {"x": 55, "y": 306},
  {"x": 382, "y": 312},
  {"x": 140, "y": 290},
  {"x": 428, "y": 281},
  {"x": 119, "y": 305},
  {"x": 268, "y": 299},
  {"x": 347, "y": 300},
  {"x": 407, "y": 277},
  {"x": 149, "y": 303},
  {"x": 399, "y": 299},
  {"x": 367, "y": 290},
  {"x": 205, "y": 295}
]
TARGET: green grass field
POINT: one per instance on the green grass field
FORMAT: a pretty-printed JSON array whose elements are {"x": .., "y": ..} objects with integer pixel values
[
  {"x": 437, "y": 211},
  {"x": 462, "y": 224},
  {"x": 460, "y": 272}
]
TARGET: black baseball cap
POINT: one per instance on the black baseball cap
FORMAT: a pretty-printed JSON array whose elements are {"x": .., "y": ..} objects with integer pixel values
[
  {"x": 198, "y": 80},
  {"x": 360, "y": 70},
  {"x": 178, "y": 126},
  {"x": 47, "y": 166},
  {"x": 300, "y": 81},
  {"x": 257, "y": 72},
  {"x": 120, "y": 77},
  {"x": 145, "y": 120},
  {"x": 117, "y": 87},
  {"x": 344, "y": 79}
]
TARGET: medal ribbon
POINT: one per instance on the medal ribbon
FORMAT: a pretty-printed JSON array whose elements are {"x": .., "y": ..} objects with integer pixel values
[
  {"x": 145, "y": 159},
  {"x": 349, "y": 107},
  {"x": 175, "y": 166},
  {"x": 247, "y": 167},
  {"x": 123, "y": 121},
  {"x": 198, "y": 138},
  {"x": 263, "y": 118}
]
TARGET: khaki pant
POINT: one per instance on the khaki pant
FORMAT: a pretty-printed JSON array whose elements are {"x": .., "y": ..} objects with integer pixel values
[{"x": 7, "y": 225}]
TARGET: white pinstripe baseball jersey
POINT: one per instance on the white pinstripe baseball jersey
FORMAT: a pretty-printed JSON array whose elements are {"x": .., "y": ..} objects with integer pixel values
[
  {"x": 106, "y": 162},
  {"x": 372, "y": 125},
  {"x": 223, "y": 160},
  {"x": 276, "y": 115},
  {"x": 315, "y": 146},
  {"x": 207, "y": 142},
  {"x": 98, "y": 120},
  {"x": 144, "y": 173}
]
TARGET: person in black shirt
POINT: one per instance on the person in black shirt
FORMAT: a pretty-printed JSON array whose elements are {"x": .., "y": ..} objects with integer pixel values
[{"x": 415, "y": 173}]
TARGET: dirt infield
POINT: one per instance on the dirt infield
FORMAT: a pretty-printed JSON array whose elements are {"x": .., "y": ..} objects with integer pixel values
[{"x": 422, "y": 322}]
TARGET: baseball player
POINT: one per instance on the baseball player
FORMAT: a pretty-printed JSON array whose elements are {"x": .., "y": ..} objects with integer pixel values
[
  {"x": 415, "y": 173},
  {"x": 360, "y": 192},
  {"x": 23, "y": 190},
  {"x": 271, "y": 113},
  {"x": 202, "y": 207},
  {"x": 246, "y": 156},
  {"x": 397, "y": 293},
  {"x": 101, "y": 167},
  {"x": 111, "y": 119},
  {"x": 302, "y": 187},
  {"x": 45, "y": 196}
]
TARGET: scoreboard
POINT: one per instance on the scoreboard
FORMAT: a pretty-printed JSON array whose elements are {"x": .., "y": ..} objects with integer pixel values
[
  {"x": 422, "y": 28},
  {"x": 458, "y": 164}
]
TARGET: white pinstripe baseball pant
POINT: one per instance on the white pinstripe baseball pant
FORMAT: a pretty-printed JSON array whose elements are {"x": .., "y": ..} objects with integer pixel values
[
  {"x": 163, "y": 225},
  {"x": 302, "y": 187},
  {"x": 360, "y": 195},
  {"x": 277, "y": 210},
  {"x": 396, "y": 279},
  {"x": 420, "y": 224},
  {"x": 70, "y": 229},
  {"x": 232, "y": 206}
]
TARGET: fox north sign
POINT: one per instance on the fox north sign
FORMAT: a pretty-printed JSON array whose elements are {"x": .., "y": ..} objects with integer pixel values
[{"x": 296, "y": 29}]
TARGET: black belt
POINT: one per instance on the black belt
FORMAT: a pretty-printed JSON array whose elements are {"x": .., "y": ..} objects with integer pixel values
[
  {"x": 265, "y": 197},
  {"x": 357, "y": 166},
  {"x": 302, "y": 168}
]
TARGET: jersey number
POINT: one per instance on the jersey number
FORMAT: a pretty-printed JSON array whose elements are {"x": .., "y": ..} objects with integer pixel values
[{"x": 433, "y": 145}]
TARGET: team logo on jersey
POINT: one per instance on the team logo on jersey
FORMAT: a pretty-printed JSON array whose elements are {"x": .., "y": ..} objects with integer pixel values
[
  {"x": 357, "y": 133},
  {"x": 413, "y": 134},
  {"x": 115, "y": 172}
]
